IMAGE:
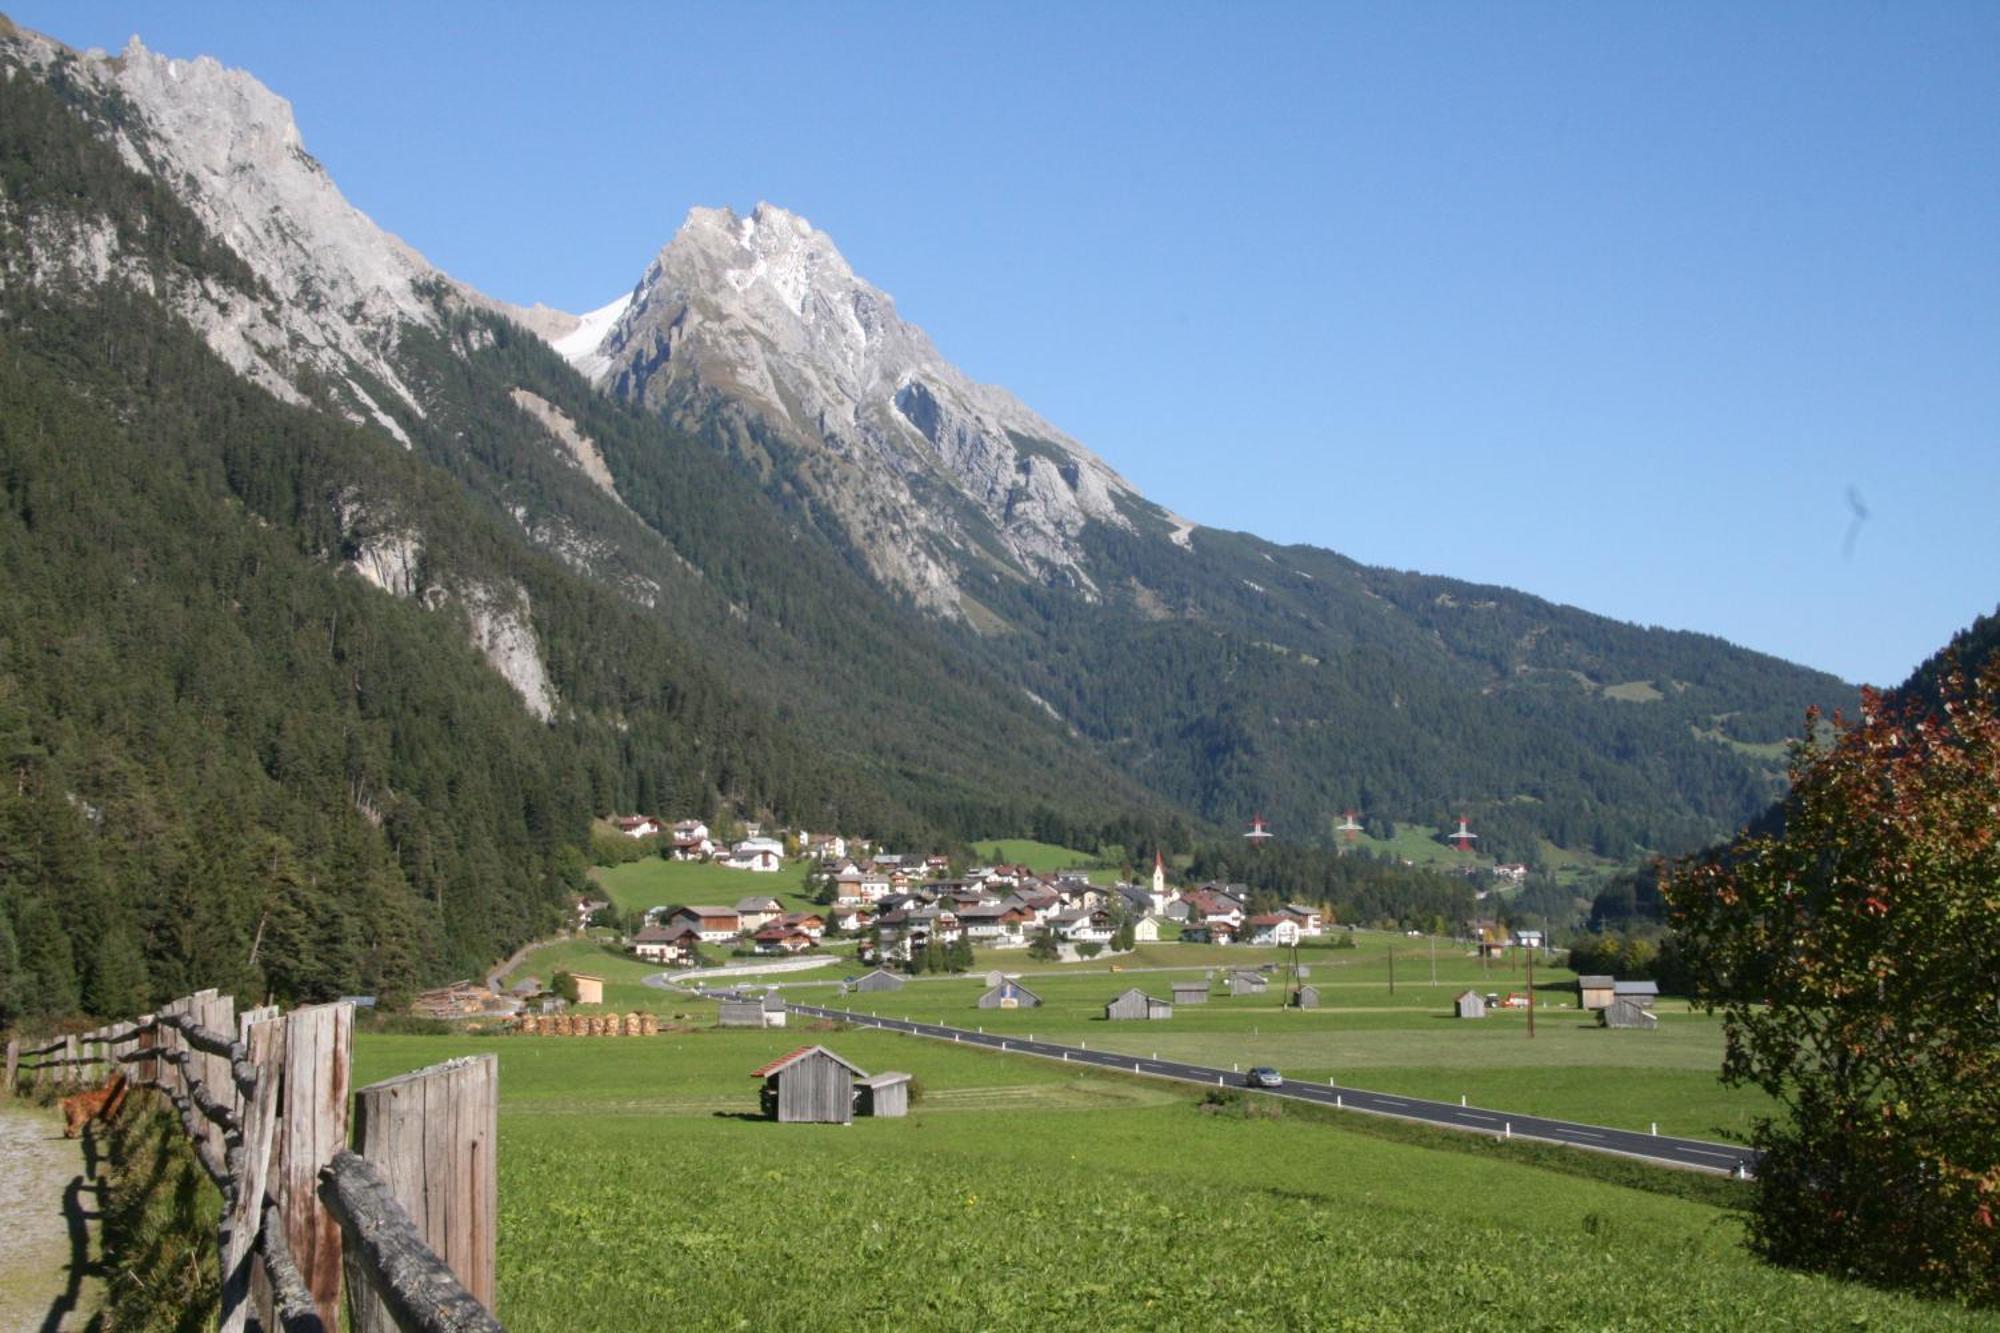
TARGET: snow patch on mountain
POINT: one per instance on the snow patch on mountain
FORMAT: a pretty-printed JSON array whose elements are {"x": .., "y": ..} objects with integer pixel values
[{"x": 580, "y": 345}]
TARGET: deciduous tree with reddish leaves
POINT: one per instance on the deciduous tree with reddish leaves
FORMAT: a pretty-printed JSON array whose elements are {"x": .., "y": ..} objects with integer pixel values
[{"x": 1855, "y": 957}]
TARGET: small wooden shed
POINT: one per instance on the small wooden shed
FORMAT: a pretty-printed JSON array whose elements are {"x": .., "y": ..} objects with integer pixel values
[
  {"x": 1306, "y": 997},
  {"x": 1470, "y": 1005},
  {"x": 1190, "y": 992},
  {"x": 1627, "y": 1013},
  {"x": 1595, "y": 992},
  {"x": 589, "y": 989},
  {"x": 1010, "y": 994},
  {"x": 1136, "y": 1004},
  {"x": 1641, "y": 993},
  {"x": 880, "y": 979},
  {"x": 811, "y": 1085},
  {"x": 882, "y": 1094},
  {"x": 765, "y": 1012},
  {"x": 1246, "y": 983}
]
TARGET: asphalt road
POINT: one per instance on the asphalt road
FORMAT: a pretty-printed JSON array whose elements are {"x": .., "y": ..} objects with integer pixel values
[{"x": 1722, "y": 1158}]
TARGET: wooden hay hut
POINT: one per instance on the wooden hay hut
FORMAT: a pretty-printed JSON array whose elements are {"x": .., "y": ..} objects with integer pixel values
[
  {"x": 1641, "y": 993},
  {"x": 878, "y": 980},
  {"x": 882, "y": 1094},
  {"x": 1306, "y": 997},
  {"x": 747, "y": 1014},
  {"x": 1595, "y": 992},
  {"x": 1136, "y": 1004},
  {"x": 1627, "y": 1013},
  {"x": 811, "y": 1085},
  {"x": 1247, "y": 983},
  {"x": 589, "y": 989},
  {"x": 1470, "y": 1005},
  {"x": 1190, "y": 992},
  {"x": 1010, "y": 995}
]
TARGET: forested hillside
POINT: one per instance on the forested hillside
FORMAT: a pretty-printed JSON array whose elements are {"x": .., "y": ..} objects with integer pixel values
[{"x": 232, "y": 762}]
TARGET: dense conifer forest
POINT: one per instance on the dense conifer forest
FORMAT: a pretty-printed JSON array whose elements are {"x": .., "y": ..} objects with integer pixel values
[{"x": 230, "y": 761}]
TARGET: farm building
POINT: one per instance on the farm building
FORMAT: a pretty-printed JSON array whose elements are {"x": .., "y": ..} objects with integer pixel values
[
  {"x": 879, "y": 980},
  {"x": 1135, "y": 1003},
  {"x": 812, "y": 1085},
  {"x": 882, "y": 1095},
  {"x": 1641, "y": 993},
  {"x": 1190, "y": 992},
  {"x": 1246, "y": 983},
  {"x": 1595, "y": 992},
  {"x": 767, "y": 1012},
  {"x": 1010, "y": 994},
  {"x": 1306, "y": 997},
  {"x": 1627, "y": 1013},
  {"x": 1470, "y": 1005},
  {"x": 589, "y": 989}
]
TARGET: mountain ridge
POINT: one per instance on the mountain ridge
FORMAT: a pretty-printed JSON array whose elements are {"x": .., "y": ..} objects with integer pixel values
[{"x": 1045, "y": 596}]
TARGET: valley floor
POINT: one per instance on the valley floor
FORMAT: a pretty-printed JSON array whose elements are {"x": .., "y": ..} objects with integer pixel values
[{"x": 1020, "y": 1193}]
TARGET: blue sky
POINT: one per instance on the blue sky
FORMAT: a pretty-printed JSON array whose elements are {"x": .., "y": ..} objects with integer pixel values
[{"x": 1610, "y": 302}]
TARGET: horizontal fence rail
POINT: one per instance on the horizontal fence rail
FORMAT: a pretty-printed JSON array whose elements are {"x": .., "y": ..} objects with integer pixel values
[{"x": 402, "y": 1231}]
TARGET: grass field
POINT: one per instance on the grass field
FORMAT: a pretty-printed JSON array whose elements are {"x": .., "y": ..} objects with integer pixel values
[
  {"x": 1044, "y": 858},
  {"x": 636, "y": 1190},
  {"x": 654, "y": 882},
  {"x": 1363, "y": 1034}
]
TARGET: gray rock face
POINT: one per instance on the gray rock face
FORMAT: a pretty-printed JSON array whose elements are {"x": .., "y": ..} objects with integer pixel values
[
  {"x": 336, "y": 294},
  {"x": 339, "y": 289},
  {"x": 763, "y": 311}
]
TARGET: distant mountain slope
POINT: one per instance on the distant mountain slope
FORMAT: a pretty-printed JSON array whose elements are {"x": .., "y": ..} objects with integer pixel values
[
  {"x": 931, "y": 608},
  {"x": 308, "y": 706},
  {"x": 1219, "y": 670}
]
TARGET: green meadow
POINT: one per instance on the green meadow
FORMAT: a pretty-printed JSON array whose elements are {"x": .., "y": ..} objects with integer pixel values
[
  {"x": 637, "y": 1191},
  {"x": 1045, "y": 858},
  {"x": 1403, "y": 1041},
  {"x": 655, "y": 882}
]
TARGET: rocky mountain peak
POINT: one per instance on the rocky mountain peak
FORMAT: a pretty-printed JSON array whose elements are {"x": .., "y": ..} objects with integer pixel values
[{"x": 761, "y": 311}]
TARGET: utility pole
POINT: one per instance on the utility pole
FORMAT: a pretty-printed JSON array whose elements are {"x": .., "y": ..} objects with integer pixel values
[
  {"x": 1392, "y": 969},
  {"x": 1531, "y": 993},
  {"x": 1434, "y": 960}
]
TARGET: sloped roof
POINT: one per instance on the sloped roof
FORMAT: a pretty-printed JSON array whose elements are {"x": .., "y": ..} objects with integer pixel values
[{"x": 787, "y": 1061}]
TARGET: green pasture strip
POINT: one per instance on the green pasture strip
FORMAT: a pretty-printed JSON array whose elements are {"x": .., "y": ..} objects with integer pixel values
[
  {"x": 656, "y": 882},
  {"x": 1022, "y": 1194},
  {"x": 1408, "y": 1043},
  {"x": 1044, "y": 858}
]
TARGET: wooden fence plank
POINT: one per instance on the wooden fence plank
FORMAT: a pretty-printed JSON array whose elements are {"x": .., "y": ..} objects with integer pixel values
[
  {"x": 259, "y": 1117},
  {"x": 317, "y": 1044},
  {"x": 13, "y": 1062},
  {"x": 433, "y": 1135}
]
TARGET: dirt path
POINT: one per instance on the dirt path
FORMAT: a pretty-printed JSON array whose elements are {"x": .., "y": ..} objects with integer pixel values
[{"x": 46, "y": 1204}]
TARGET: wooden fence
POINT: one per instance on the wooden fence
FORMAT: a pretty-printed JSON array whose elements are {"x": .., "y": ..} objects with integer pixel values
[{"x": 405, "y": 1221}]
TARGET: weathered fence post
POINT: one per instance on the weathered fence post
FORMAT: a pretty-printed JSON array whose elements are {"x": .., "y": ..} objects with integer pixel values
[
  {"x": 317, "y": 1043},
  {"x": 434, "y": 1136},
  {"x": 13, "y": 1062},
  {"x": 264, "y": 1043}
]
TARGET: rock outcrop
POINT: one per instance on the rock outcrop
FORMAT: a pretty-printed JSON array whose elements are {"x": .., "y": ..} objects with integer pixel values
[{"x": 762, "y": 312}]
